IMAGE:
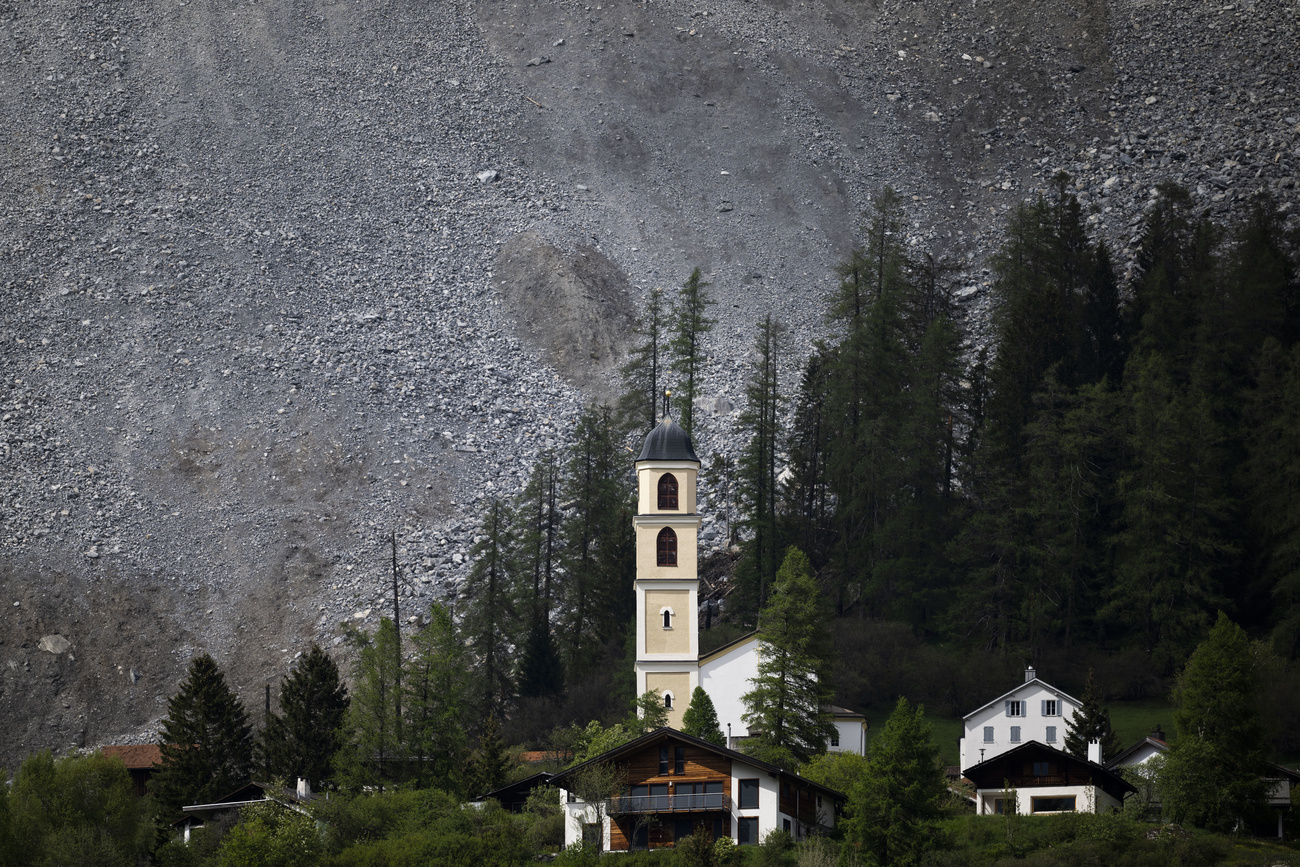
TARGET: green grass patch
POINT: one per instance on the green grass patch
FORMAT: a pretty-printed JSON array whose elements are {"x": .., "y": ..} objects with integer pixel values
[
  {"x": 947, "y": 731},
  {"x": 1134, "y": 720}
]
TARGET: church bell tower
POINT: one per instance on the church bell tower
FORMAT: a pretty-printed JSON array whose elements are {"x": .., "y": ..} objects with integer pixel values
[{"x": 667, "y": 581}]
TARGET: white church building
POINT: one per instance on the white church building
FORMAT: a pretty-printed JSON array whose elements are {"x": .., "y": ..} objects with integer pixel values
[{"x": 668, "y": 659}]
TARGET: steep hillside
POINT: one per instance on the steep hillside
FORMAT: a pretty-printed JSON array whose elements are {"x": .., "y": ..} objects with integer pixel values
[{"x": 278, "y": 279}]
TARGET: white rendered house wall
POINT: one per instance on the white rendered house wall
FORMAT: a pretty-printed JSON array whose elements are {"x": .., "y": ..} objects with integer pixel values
[
  {"x": 726, "y": 678},
  {"x": 1033, "y": 711}
]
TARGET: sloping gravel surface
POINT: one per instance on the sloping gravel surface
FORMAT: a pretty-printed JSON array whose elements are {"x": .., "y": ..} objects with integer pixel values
[{"x": 273, "y": 274}]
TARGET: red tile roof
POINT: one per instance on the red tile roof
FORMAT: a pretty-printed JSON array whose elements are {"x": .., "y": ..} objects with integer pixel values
[{"x": 135, "y": 756}]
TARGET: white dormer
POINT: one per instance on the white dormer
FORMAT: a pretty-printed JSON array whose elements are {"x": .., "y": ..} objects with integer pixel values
[{"x": 1033, "y": 711}]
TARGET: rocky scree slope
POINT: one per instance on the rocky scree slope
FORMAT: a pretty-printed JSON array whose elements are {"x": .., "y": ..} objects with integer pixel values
[{"x": 280, "y": 279}]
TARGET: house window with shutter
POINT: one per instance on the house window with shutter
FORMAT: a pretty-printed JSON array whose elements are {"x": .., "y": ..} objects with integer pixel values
[
  {"x": 988, "y": 734},
  {"x": 1015, "y": 734},
  {"x": 1051, "y": 707},
  {"x": 668, "y": 492},
  {"x": 1051, "y": 734},
  {"x": 1015, "y": 708},
  {"x": 667, "y": 547}
]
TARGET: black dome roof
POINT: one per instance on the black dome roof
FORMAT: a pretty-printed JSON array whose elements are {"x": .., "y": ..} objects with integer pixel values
[{"x": 668, "y": 442}]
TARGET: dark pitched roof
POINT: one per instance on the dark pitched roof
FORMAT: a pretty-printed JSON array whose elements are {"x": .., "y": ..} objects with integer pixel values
[
  {"x": 1111, "y": 782},
  {"x": 1155, "y": 743},
  {"x": 670, "y": 734},
  {"x": 668, "y": 442}
]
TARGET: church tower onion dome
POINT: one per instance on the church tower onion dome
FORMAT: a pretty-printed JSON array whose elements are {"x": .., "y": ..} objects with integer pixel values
[{"x": 668, "y": 442}]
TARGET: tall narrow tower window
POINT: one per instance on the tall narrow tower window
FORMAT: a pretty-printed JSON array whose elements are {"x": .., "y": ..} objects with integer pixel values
[
  {"x": 667, "y": 547},
  {"x": 668, "y": 492},
  {"x": 668, "y": 618}
]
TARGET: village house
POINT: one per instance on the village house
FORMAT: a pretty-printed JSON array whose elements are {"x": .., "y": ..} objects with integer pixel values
[{"x": 1033, "y": 711}]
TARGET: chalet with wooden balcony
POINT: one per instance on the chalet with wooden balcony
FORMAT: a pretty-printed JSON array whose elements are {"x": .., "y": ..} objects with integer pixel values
[
  {"x": 667, "y": 785},
  {"x": 1036, "y": 778}
]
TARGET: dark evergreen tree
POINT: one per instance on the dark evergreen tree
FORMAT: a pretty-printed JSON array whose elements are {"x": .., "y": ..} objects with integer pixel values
[
  {"x": 1091, "y": 722},
  {"x": 644, "y": 374},
  {"x": 207, "y": 741},
  {"x": 303, "y": 737},
  {"x": 489, "y": 621},
  {"x": 760, "y": 423},
  {"x": 895, "y": 807},
  {"x": 1214, "y": 772},
  {"x": 599, "y": 549},
  {"x": 489, "y": 764},
  {"x": 792, "y": 690},
  {"x": 807, "y": 501},
  {"x": 541, "y": 671},
  {"x": 689, "y": 324},
  {"x": 701, "y": 719}
]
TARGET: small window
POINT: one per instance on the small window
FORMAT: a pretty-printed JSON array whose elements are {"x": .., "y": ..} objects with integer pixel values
[
  {"x": 785, "y": 825},
  {"x": 835, "y": 737},
  {"x": 668, "y": 492},
  {"x": 667, "y": 547},
  {"x": 1050, "y": 707},
  {"x": 1015, "y": 734},
  {"x": 1042, "y": 769},
  {"x": 748, "y": 795},
  {"x": 668, "y": 701},
  {"x": 668, "y": 618},
  {"x": 679, "y": 760},
  {"x": 1051, "y": 734},
  {"x": 747, "y": 831},
  {"x": 663, "y": 760},
  {"x": 988, "y": 734},
  {"x": 1015, "y": 708},
  {"x": 1002, "y": 806}
]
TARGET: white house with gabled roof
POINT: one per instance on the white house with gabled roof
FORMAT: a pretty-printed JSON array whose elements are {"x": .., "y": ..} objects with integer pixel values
[{"x": 1033, "y": 711}]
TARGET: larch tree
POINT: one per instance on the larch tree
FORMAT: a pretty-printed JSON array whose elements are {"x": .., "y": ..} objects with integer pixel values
[
  {"x": 303, "y": 737},
  {"x": 207, "y": 740},
  {"x": 688, "y": 325},
  {"x": 644, "y": 371},
  {"x": 436, "y": 703},
  {"x": 373, "y": 752},
  {"x": 792, "y": 689}
]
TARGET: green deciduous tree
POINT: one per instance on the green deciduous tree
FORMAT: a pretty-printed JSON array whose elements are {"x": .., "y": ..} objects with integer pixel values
[
  {"x": 648, "y": 715},
  {"x": 74, "y": 810},
  {"x": 687, "y": 328},
  {"x": 792, "y": 688},
  {"x": 303, "y": 737},
  {"x": 1213, "y": 774},
  {"x": 272, "y": 835},
  {"x": 894, "y": 807},
  {"x": 207, "y": 741},
  {"x": 701, "y": 719},
  {"x": 1091, "y": 722}
]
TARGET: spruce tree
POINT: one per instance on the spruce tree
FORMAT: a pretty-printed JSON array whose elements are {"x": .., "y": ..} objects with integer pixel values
[
  {"x": 541, "y": 671},
  {"x": 791, "y": 691},
  {"x": 687, "y": 328},
  {"x": 1213, "y": 773},
  {"x": 896, "y": 805},
  {"x": 1091, "y": 722},
  {"x": 489, "y": 621},
  {"x": 489, "y": 764},
  {"x": 701, "y": 719},
  {"x": 207, "y": 741},
  {"x": 302, "y": 739}
]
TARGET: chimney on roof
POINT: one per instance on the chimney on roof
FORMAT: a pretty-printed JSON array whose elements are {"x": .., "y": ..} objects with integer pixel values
[
  {"x": 304, "y": 789},
  {"x": 1094, "y": 751},
  {"x": 1159, "y": 733},
  {"x": 1030, "y": 674}
]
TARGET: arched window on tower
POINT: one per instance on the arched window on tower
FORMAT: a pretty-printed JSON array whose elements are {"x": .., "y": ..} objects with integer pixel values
[
  {"x": 668, "y": 618},
  {"x": 667, "y": 547},
  {"x": 668, "y": 700},
  {"x": 668, "y": 492}
]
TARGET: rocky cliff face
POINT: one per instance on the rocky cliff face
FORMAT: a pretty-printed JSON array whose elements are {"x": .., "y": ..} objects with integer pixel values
[{"x": 278, "y": 279}]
